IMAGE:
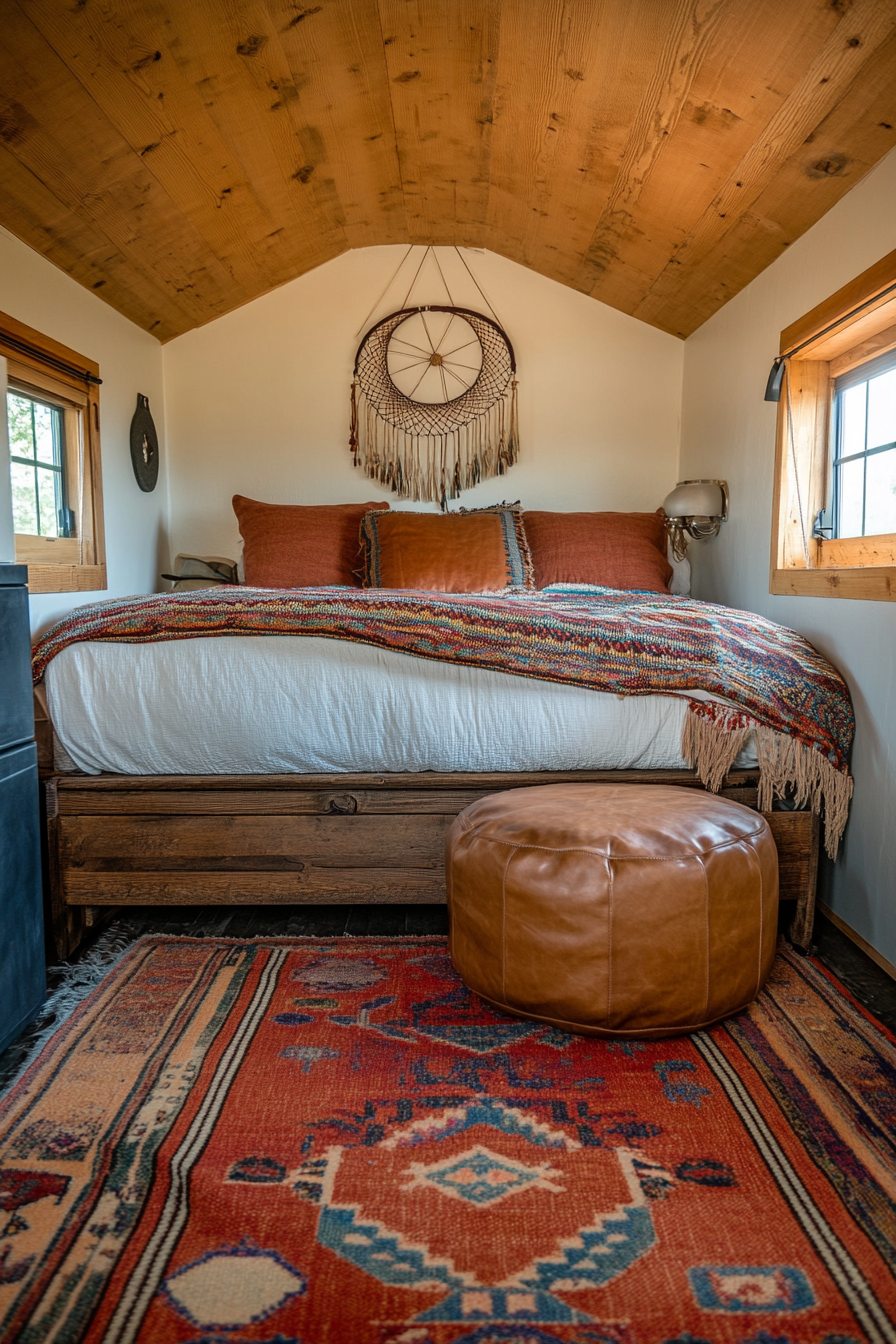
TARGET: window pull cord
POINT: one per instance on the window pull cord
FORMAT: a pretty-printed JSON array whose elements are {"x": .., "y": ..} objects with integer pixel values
[{"x": 796, "y": 477}]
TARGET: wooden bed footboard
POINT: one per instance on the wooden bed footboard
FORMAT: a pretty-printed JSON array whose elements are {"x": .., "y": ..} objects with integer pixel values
[{"x": 118, "y": 840}]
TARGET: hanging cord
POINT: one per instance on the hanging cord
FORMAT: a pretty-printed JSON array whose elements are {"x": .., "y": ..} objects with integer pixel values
[
  {"x": 796, "y": 477},
  {"x": 435, "y": 257},
  {"x": 478, "y": 286},
  {"x": 389, "y": 285},
  {"x": 426, "y": 253}
]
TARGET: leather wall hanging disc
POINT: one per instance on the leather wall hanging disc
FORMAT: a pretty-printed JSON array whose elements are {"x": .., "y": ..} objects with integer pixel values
[{"x": 144, "y": 446}]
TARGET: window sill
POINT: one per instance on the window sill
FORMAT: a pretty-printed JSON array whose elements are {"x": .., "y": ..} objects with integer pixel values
[
  {"x": 66, "y": 578},
  {"x": 870, "y": 583}
]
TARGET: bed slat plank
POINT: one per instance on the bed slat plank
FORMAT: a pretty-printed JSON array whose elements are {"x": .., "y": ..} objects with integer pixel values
[
  {"x": 490, "y": 781},
  {"x": 295, "y": 802},
  {"x": 324, "y": 886},
  {"x": 355, "y": 841}
]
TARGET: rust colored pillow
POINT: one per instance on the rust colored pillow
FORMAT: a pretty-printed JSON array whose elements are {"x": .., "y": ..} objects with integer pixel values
[
  {"x": 483, "y": 550},
  {"x": 615, "y": 550},
  {"x": 300, "y": 545}
]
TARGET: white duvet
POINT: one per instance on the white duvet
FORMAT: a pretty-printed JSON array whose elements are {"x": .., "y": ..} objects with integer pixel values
[{"x": 277, "y": 704}]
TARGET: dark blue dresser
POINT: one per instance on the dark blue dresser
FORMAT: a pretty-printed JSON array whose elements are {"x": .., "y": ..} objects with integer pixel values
[{"x": 23, "y": 982}]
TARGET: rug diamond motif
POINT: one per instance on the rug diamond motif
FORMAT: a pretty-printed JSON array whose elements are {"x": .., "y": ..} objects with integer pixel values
[{"x": 479, "y": 1176}]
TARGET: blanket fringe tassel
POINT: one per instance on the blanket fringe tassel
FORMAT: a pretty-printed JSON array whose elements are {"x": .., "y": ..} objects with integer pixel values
[{"x": 711, "y": 745}]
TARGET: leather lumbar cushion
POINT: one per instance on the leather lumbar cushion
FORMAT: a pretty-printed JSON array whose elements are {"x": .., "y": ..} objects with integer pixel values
[{"x": 629, "y": 910}]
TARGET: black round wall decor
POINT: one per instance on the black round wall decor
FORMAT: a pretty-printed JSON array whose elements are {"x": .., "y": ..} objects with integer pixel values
[{"x": 144, "y": 446}]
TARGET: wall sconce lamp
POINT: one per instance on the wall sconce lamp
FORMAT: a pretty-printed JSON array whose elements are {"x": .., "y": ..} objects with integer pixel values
[{"x": 695, "y": 509}]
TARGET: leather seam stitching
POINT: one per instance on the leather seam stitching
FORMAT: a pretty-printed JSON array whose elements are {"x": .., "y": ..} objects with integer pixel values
[
  {"x": 707, "y": 910},
  {"x": 639, "y": 858},
  {"x": 609, "y": 868},
  {"x": 504, "y": 925}
]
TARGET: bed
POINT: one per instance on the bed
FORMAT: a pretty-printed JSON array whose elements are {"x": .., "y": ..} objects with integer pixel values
[{"x": 201, "y": 760}]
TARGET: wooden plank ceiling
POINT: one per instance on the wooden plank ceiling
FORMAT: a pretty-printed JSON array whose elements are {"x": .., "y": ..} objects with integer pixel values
[{"x": 181, "y": 157}]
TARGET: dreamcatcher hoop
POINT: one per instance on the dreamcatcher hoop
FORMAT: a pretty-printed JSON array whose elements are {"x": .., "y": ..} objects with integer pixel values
[{"x": 420, "y": 444}]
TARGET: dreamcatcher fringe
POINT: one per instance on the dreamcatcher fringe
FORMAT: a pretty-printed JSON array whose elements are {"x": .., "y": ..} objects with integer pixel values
[{"x": 435, "y": 467}]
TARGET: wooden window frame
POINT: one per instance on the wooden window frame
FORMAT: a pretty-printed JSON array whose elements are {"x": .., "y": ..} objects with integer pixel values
[
  {"x": 833, "y": 338},
  {"x": 63, "y": 564}
]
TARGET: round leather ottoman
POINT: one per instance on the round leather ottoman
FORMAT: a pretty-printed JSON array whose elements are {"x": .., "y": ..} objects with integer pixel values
[{"x": 613, "y": 909}]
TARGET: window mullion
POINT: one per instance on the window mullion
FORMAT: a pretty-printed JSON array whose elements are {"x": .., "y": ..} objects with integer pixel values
[{"x": 865, "y": 465}]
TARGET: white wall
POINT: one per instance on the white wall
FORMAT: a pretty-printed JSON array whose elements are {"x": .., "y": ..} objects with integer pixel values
[
  {"x": 729, "y": 431},
  {"x": 35, "y": 292},
  {"x": 258, "y": 401}
]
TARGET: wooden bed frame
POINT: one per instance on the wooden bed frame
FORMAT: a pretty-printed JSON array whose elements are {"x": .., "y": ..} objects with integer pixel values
[{"x": 119, "y": 840}]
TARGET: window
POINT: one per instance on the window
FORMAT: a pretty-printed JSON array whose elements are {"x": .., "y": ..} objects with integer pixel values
[
  {"x": 37, "y": 456},
  {"x": 834, "y": 520},
  {"x": 864, "y": 450},
  {"x": 52, "y": 404}
]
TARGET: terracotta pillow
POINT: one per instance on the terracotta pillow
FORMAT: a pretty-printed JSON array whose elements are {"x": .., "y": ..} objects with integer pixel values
[
  {"x": 471, "y": 551},
  {"x": 615, "y": 550},
  {"x": 300, "y": 545}
]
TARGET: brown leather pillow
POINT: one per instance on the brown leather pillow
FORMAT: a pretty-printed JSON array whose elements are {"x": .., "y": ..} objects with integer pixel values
[
  {"x": 615, "y": 550},
  {"x": 300, "y": 545},
  {"x": 483, "y": 550}
]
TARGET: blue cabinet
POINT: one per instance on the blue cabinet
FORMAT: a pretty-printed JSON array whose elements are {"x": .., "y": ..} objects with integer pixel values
[{"x": 22, "y": 962}]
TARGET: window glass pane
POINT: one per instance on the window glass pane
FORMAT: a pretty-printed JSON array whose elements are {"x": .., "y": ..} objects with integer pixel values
[
  {"x": 852, "y": 421},
  {"x": 880, "y": 504},
  {"x": 882, "y": 409},
  {"x": 47, "y": 485},
  {"x": 24, "y": 504},
  {"x": 852, "y": 476},
  {"x": 44, "y": 424},
  {"x": 21, "y": 441}
]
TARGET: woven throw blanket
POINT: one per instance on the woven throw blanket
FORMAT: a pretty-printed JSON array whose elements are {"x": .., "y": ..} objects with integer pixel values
[{"x": 775, "y": 685}]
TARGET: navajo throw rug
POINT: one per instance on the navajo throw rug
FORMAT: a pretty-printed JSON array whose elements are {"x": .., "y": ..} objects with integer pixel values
[
  {"x": 779, "y": 689},
  {"x": 322, "y": 1141}
]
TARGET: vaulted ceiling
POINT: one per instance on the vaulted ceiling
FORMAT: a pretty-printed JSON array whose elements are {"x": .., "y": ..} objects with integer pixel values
[{"x": 181, "y": 157}]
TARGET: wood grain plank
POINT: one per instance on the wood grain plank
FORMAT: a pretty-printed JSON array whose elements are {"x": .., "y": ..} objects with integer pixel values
[
  {"x": 750, "y": 61},
  {"x": 868, "y": 25},
  {"x": 684, "y": 46},
  {"x": 182, "y": 159},
  {"x": 229, "y": 52},
  {"x": 343, "y": 110},
  {"x": 853, "y": 137},
  {"x": 32, "y": 211},
  {"x": 122, "y": 198},
  {"x": 559, "y": 133},
  {"x": 422, "y": 780},
  {"x": 163, "y": 118},
  {"x": 802, "y": 452},
  {"x": 441, "y": 62},
  {"x": 869, "y": 584},
  {"x": 357, "y": 841},
  {"x": 396, "y": 886},
  {"x": 865, "y": 286},
  {"x": 305, "y": 802}
]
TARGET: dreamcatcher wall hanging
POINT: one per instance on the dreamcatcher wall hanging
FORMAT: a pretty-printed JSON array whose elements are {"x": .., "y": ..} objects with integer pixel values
[{"x": 434, "y": 408}]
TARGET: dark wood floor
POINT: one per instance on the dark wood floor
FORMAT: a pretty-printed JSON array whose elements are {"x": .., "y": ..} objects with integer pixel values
[{"x": 874, "y": 989}]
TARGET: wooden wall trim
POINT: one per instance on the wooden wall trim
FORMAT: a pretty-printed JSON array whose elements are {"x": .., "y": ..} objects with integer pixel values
[
  {"x": 865, "y": 286},
  {"x": 877, "y": 957}
]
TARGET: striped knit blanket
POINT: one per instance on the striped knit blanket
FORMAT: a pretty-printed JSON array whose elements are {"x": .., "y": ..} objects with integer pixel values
[{"x": 775, "y": 685}]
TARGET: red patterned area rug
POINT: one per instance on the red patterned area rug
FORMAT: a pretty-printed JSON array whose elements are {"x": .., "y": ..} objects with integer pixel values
[{"x": 334, "y": 1142}]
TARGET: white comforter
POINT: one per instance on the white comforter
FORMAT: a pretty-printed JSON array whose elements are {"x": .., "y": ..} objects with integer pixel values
[{"x": 263, "y": 705}]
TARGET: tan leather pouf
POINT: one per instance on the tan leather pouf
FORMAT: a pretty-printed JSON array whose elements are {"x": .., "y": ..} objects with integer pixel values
[{"x": 613, "y": 909}]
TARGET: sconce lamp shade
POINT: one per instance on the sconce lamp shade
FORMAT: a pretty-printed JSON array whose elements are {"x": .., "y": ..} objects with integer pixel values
[
  {"x": 695, "y": 509},
  {"x": 695, "y": 499}
]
